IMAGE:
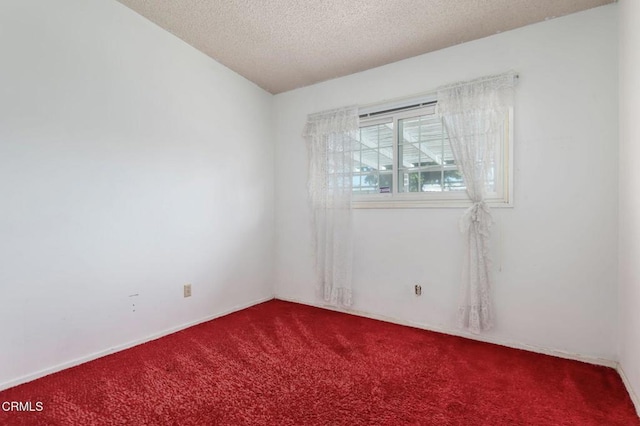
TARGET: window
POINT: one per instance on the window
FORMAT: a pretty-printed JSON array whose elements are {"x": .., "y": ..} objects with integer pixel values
[{"x": 403, "y": 158}]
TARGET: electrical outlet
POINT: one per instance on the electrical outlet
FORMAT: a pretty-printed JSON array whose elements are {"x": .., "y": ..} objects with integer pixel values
[
  {"x": 418, "y": 289},
  {"x": 187, "y": 290}
]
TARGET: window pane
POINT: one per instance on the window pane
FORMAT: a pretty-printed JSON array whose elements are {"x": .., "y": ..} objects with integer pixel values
[
  {"x": 369, "y": 160},
  {"x": 385, "y": 182},
  {"x": 425, "y": 154},
  {"x": 431, "y": 181},
  {"x": 386, "y": 158},
  {"x": 431, "y": 153},
  {"x": 447, "y": 154},
  {"x": 357, "y": 164},
  {"x": 385, "y": 135},
  {"x": 370, "y": 182},
  {"x": 431, "y": 129},
  {"x": 369, "y": 136},
  {"x": 410, "y": 129},
  {"x": 409, "y": 181},
  {"x": 409, "y": 156},
  {"x": 356, "y": 182},
  {"x": 375, "y": 152},
  {"x": 453, "y": 181}
]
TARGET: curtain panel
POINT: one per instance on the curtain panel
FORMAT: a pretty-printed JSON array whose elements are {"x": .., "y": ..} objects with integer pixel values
[
  {"x": 474, "y": 115},
  {"x": 330, "y": 138}
]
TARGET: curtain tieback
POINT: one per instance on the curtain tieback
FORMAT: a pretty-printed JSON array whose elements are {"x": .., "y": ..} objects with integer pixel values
[{"x": 479, "y": 216}]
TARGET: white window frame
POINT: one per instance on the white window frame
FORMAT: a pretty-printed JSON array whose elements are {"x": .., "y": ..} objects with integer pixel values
[{"x": 503, "y": 197}]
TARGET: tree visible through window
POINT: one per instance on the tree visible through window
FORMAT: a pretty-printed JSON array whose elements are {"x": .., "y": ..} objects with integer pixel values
[
  {"x": 419, "y": 151},
  {"x": 405, "y": 155},
  {"x": 425, "y": 160}
]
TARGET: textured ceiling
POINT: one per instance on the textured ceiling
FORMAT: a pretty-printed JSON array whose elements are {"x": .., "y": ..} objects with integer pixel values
[{"x": 284, "y": 44}]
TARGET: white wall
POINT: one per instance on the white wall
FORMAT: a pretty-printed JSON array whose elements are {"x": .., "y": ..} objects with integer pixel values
[
  {"x": 555, "y": 252},
  {"x": 127, "y": 167},
  {"x": 630, "y": 196},
  {"x": 130, "y": 163}
]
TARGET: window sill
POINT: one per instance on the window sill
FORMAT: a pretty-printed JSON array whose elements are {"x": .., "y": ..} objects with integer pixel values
[{"x": 424, "y": 204}]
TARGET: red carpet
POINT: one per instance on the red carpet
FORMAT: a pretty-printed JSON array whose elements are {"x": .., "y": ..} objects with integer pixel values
[{"x": 280, "y": 363}]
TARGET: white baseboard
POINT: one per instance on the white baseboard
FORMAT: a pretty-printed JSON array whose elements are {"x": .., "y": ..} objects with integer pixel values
[
  {"x": 460, "y": 333},
  {"x": 118, "y": 348},
  {"x": 630, "y": 390},
  {"x": 516, "y": 345}
]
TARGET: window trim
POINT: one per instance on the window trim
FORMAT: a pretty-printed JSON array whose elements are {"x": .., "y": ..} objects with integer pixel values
[{"x": 502, "y": 199}]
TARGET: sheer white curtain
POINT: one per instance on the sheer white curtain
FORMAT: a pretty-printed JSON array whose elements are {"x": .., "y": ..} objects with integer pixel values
[
  {"x": 330, "y": 138},
  {"x": 474, "y": 115}
]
